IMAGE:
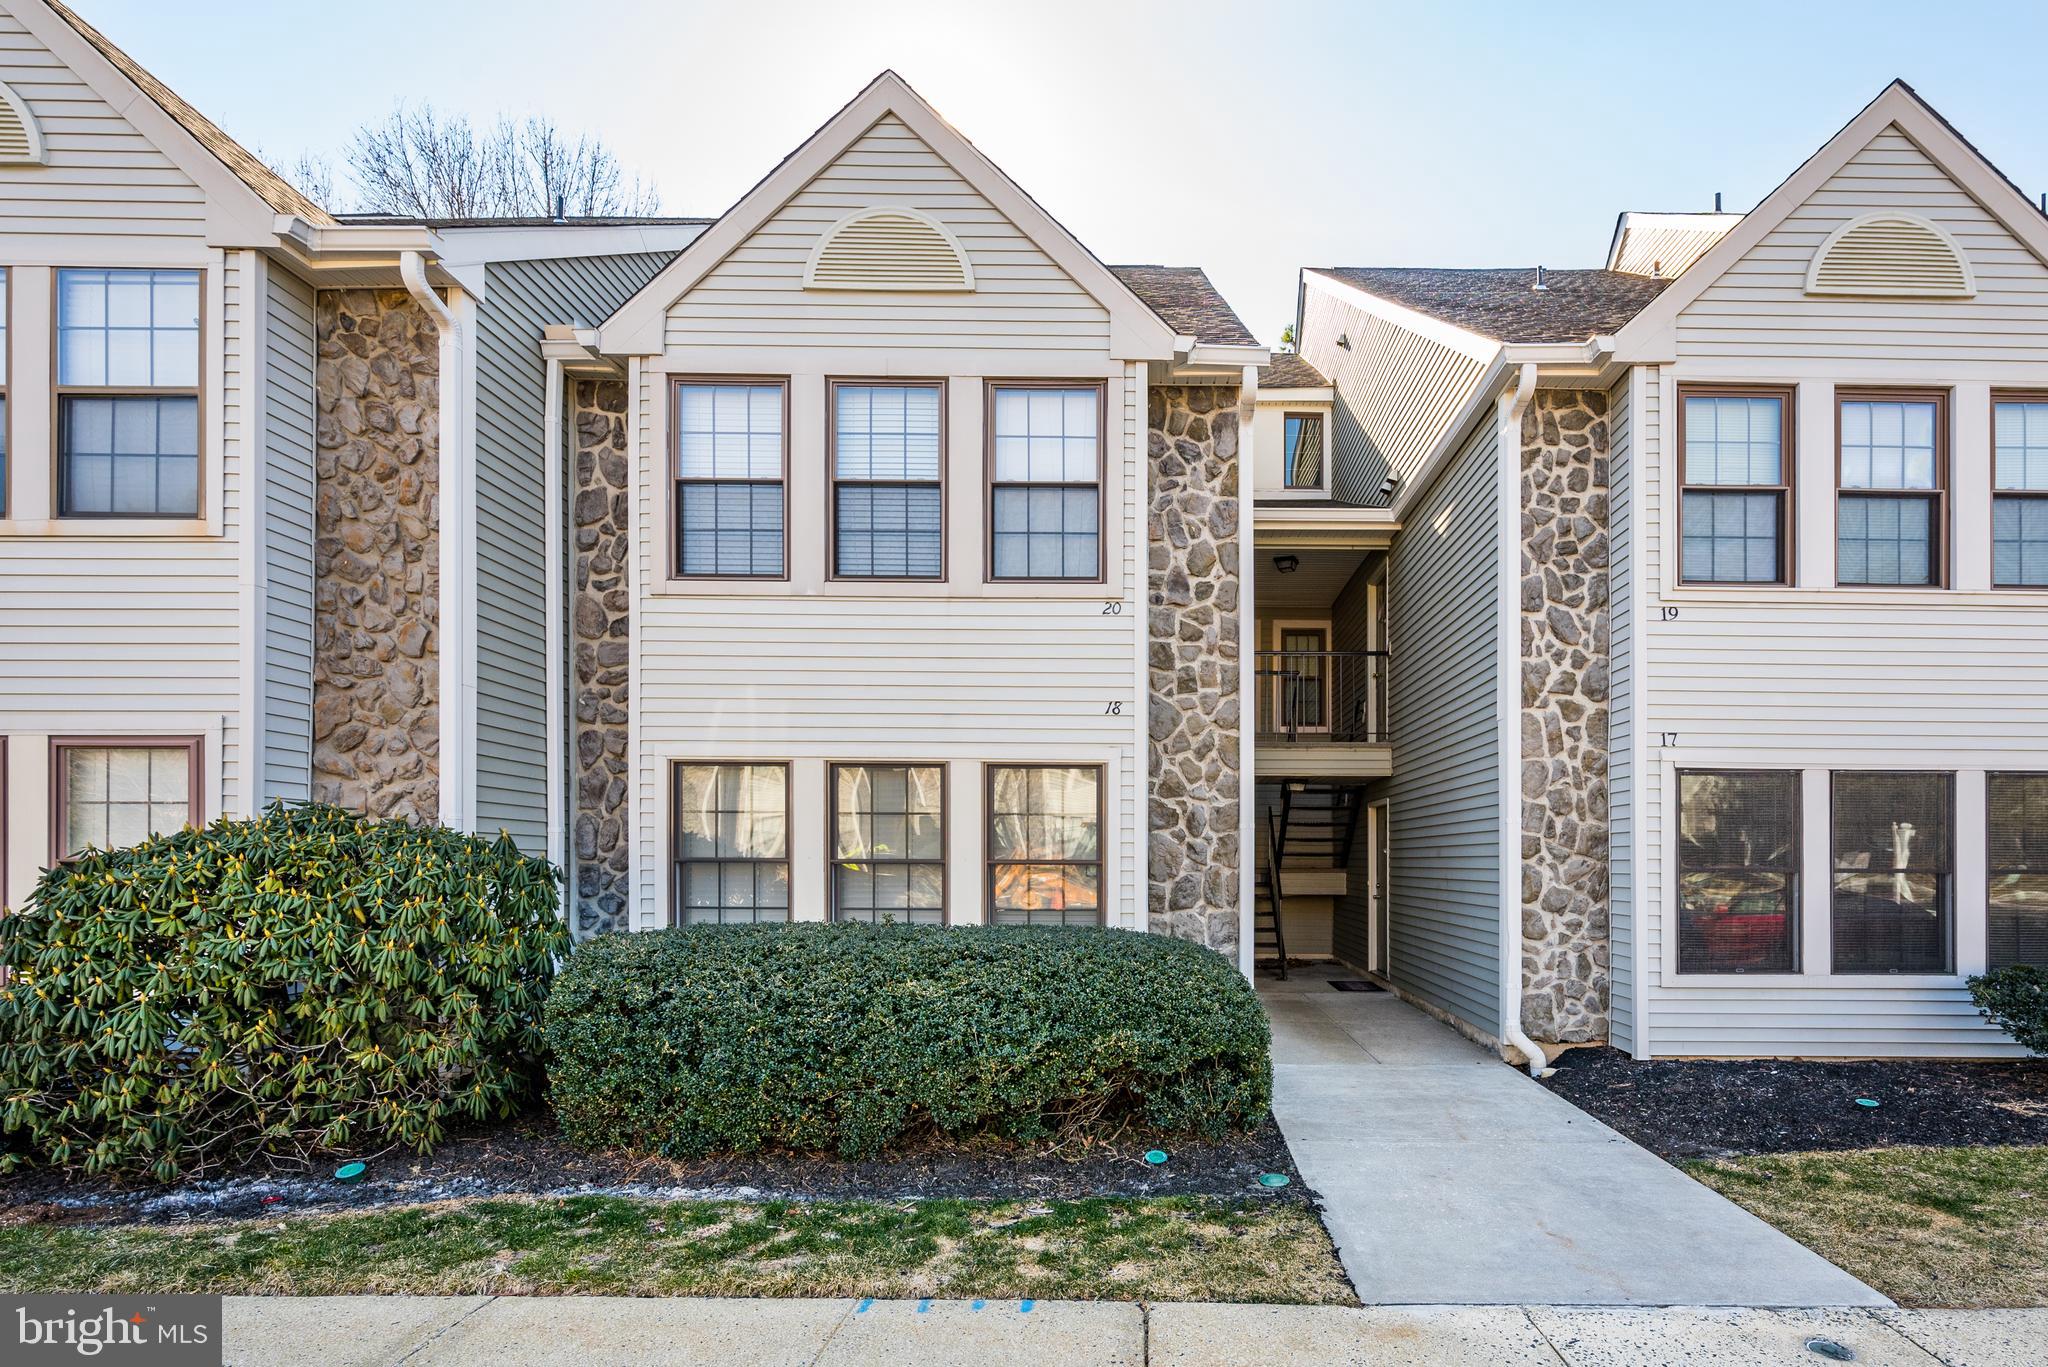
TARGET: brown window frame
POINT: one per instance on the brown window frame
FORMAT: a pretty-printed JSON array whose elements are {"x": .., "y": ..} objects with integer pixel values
[
  {"x": 1939, "y": 497},
  {"x": 1286, "y": 457},
  {"x": 832, "y": 860},
  {"x": 1787, "y": 490},
  {"x": 1795, "y": 885},
  {"x": 676, "y": 481},
  {"x": 1951, "y": 898},
  {"x": 1993, "y": 869},
  {"x": 1999, "y": 396},
  {"x": 990, "y": 863},
  {"x": 833, "y": 384},
  {"x": 989, "y": 484},
  {"x": 60, "y": 392},
  {"x": 675, "y": 833},
  {"x": 195, "y": 803}
]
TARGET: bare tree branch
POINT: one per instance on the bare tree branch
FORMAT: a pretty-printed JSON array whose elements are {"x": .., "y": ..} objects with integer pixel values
[{"x": 420, "y": 163}]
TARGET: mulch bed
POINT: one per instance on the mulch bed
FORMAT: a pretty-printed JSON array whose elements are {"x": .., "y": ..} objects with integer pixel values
[
  {"x": 528, "y": 1156},
  {"x": 1711, "y": 1108}
]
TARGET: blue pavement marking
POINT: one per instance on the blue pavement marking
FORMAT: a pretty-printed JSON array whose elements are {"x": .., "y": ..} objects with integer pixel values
[
  {"x": 862, "y": 1308},
  {"x": 1025, "y": 1306},
  {"x": 977, "y": 1305},
  {"x": 923, "y": 1306}
]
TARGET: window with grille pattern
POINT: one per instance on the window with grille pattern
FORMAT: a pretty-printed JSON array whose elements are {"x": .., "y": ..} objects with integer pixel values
[
  {"x": 1891, "y": 507},
  {"x": 127, "y": 393},
  {"x": 1893, "y": 854},
  {"x": 1045, "y": 844},
  {"x": 887, "y": 488},
  {"x": 119, "y": 793},
  {"x": 2016, "y": 806},
  {"x": 729, "y": 497},
  {"x": 1046, "y": 483},
  {"x": 1736, "y": 473},
  {"x": 731, "y": 843},
  {"x": 889, "y": 843},
  {"x": 2019, "y": 499},
  {"x": 1738, "y": 871}
]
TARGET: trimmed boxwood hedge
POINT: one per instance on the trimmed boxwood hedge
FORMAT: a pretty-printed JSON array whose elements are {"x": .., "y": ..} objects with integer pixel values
[
  {"x": 847, "y": 1037},
  {"x": 2015, "y": 999},
  {"x": 308, "y": 983}
]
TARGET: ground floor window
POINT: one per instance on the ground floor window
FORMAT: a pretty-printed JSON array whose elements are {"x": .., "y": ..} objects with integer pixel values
[
  {"x": 2016, "y": 808},
  {"x": 1893, "y": 858},
  {"x": 889, "y": 843},
  {"x": 1045, "y": 844},
  {"x": 112, "y": 793},
  {"x": 732, "y": 843},
  {"x": 1738, "y": 871}
]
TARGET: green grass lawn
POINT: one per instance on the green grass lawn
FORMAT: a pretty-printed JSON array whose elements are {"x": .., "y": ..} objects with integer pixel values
[
  {"x": 1166, "y": 1248},
  {"x": 1928, "y": 1227}
]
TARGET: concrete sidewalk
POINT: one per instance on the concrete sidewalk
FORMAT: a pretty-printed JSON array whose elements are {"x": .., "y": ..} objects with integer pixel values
[
  {"x": 595, "y": 1331},
  {"x": 1449, "y": 1178}
]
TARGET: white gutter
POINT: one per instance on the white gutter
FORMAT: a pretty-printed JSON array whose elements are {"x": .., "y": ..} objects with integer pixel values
[
  {"x": 456, "y": 624},
  {"x": 1508, "y": 706},
  {"x": 557, "y": 591}
]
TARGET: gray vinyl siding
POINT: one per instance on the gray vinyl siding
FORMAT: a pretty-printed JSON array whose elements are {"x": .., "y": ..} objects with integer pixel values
[
  {"x": 521, "y": 299},
  {"x": 1621, "y": 823},
  {"x": 1444, "y": 895},
  {"x": 287, "y": 552}
]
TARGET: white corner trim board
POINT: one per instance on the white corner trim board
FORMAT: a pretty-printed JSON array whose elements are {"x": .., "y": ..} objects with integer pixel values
[{"x": 888, "y": 247}]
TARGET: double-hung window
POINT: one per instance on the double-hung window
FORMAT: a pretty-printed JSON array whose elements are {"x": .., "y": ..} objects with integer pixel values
[
  {"x": 889, "y": 843},
  {"x": 114, "y": 793},
  {"x": 888, "y": 493},
  {"x": 1894, "y": 872},
  {"x": 2019, "y": 492},
  {"x": 731, "y": 843},
  {"x": 1738, "y": 871},
  {"x": 128, "y": 393},
  {"x": 731, "y": 478},
  {"x": 1303, "y": 436},
  {"x": 1045, "y": 496},
  {"x": 1892, "y": 505},
  {"x": 2016, "y": 806},
  {"x": 1735, "y": 503},
  {"x": 1045, "y": 844}
]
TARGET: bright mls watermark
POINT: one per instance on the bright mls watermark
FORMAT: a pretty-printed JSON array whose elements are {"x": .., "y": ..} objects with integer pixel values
[{"x": 169, "y": 1331}]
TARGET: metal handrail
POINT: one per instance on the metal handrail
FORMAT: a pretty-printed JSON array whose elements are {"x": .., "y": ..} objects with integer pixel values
[{"x": 1330, "y": 695}]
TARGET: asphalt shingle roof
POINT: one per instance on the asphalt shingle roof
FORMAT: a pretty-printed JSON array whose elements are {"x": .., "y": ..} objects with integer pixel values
[
  {"x": 1503, "y": 304},
  {"x": 1185, "y": 300},
  {"x": 1289, "y": 371}
]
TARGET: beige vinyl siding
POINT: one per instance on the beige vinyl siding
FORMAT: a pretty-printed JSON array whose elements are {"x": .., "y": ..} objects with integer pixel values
[
  {"x": 521, "y": 299},
  {"x": 1022, "y": 300},
  {"x": 105, "y": 187},
  {"x": 1444, "y": 895},
  {"x": 1396, "y": 390},
  {"x": 287, "y": 558},
  {"x": 1621, "y": 817},
  {"x": 1758, "y": 311}
]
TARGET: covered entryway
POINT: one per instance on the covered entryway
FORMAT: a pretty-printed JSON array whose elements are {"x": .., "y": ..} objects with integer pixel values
[{"x": 1449, "y": 1177}]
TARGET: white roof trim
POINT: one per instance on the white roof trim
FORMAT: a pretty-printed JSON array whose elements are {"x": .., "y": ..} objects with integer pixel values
[
  {"x": 1136, "y": 333},
  {"x": 1647, "y": 336},
  {"x": 33, "y": 131}
]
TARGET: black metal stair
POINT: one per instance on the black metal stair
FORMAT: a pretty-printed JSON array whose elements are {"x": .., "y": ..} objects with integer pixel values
[{"x": 1314, "y": 826}]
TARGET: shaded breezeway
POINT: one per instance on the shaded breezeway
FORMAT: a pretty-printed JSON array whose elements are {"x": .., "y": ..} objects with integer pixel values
[{"x": 1450, "y": 1178}]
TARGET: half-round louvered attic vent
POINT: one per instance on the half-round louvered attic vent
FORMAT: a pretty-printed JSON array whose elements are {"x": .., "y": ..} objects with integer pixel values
[
  {"x": 1891, "y": 254},
  {"x": 888, "y": 249},
  {"x": 20, "y": 139}
]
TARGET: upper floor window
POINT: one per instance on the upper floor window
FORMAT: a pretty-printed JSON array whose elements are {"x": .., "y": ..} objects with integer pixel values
[
  {"x": 1894, "y": 872},
  {"x": 2016, "y": 806},
  {"x": 115, "y": 793},
  {"x": 2019, "y": 499},
  {"x": 888, "y": 493},
  {"x": 1304, "y": 453},
  {"x": 1738, "y": 871},
  {"x": 1045, "y": 495},
  {"x": 1735, "y": 503},
  {"x": 1892, "y": 504},
  {"x": 731, "y": 472},
  {"x": 128, "y": 393}
]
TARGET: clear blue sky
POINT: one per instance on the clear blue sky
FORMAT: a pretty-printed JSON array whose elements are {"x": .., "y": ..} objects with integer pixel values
[{"x": 1250, "y": 139}]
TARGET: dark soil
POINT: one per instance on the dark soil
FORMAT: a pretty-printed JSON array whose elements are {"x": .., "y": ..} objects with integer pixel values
[
  {"x": 529, "y": 1157},
  {"x": 1711, "y": 1108}
]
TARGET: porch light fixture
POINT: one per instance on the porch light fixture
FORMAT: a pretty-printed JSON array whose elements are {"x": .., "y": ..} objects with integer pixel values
[{"x": 1287, "y": 564}]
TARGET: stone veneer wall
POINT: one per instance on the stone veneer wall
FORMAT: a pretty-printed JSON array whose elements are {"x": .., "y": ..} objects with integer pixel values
[
  {"x": 376, "y": 714},
  {"x": 602, "y": 622},
  {"x": 1193, "y": 712},
  {"x": 1564, "y": 716}
]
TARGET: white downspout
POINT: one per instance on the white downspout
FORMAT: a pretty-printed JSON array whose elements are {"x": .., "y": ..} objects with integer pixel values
[
  {"x": 456, "y": 690},
  {"x": 557, "y": 590},
  {"x": 1247, "y": 681},
  {"x": 1508, "y": 682},
  {"x": 1140, "y": 557}
]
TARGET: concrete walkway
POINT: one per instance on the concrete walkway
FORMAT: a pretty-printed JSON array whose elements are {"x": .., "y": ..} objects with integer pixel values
[
  {"x": 596, "y": 1331},
  {"x": 1450, "y": 1178}
]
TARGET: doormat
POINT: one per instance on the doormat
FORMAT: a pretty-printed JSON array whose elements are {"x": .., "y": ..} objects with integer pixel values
[{"x": 1355, "y": 985}]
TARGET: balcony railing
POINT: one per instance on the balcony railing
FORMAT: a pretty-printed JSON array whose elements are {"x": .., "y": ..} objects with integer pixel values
[{"x": 1333, "y": 696}]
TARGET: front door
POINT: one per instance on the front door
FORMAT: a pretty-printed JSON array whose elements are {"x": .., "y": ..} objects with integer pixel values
[
  {"x": 1382, "y": 848},
  {"x": 1304, "y": 679}
]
